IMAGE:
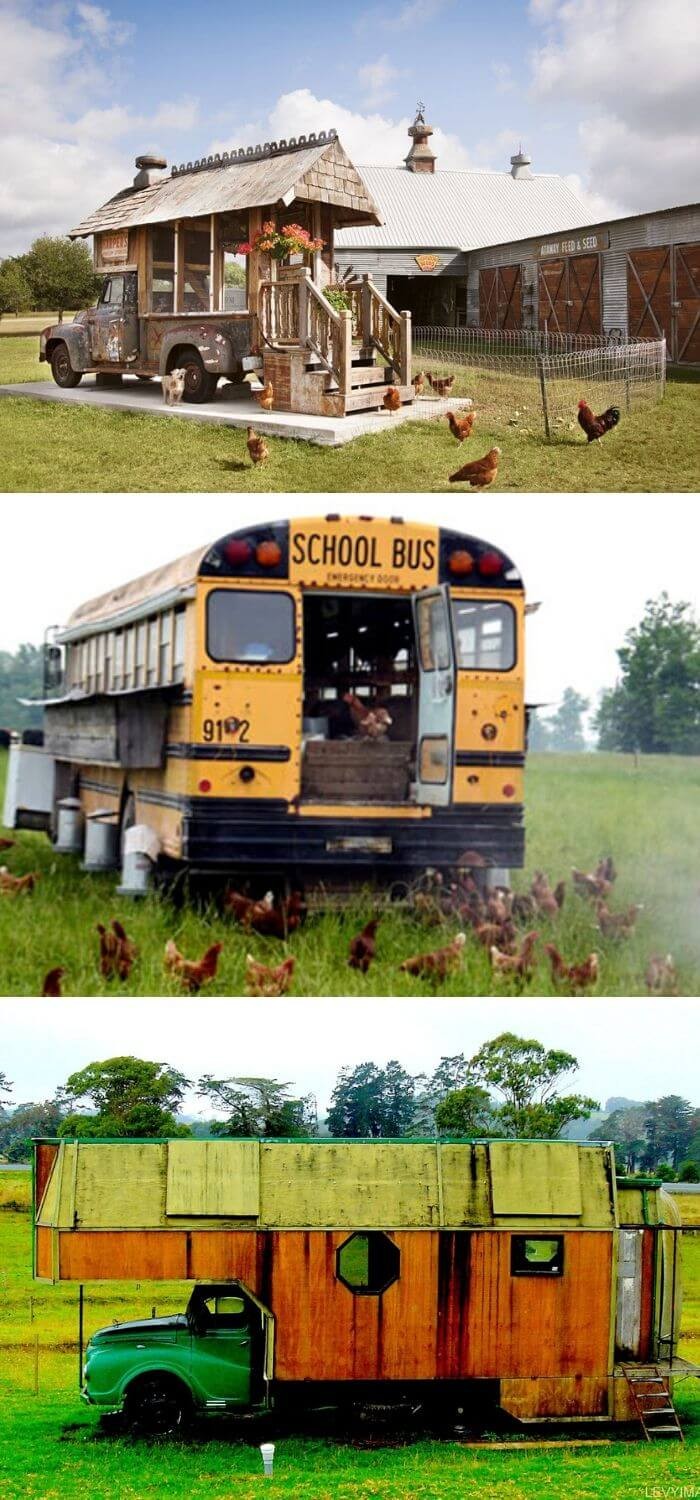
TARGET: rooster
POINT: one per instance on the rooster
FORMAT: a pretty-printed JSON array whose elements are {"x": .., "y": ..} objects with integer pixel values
[
  {"x": 596, "y": 427},
  {"x": 13, "y": 885},
  {"x": 117, "y": 951},
  {"x": 519, "y": 964},
  {"x": 460, "y": 427},
  {"x": 391, "y": 399},
  {"x": 439, "y": 963},
  {"x": 419, "y": 383},
  {"x": 261, "y": 980},
  {"x": 441, "y": 384},
  {"x": 266, "y": 396},
  {"x": 577, "y": 976},
  {"x": 52, "y": 982},
  {"x": 372, "y": 723},
  {"x": 192, "y": 975},
  {"x": 257, "y": 447},
  {"x": 480, "y": 473},
  {"x": 661, "y": 977},
  {"x": 363, "y": 947},
  {"x": 616, "y": 924}
]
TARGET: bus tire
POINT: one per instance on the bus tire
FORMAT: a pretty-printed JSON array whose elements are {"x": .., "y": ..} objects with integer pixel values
[
  {"x": 200, "y": 385},
  {"x": 158, "y": 1406},
  {"x": 62, "y": 369}
]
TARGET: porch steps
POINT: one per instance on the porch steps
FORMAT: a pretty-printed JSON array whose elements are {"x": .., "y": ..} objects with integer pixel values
[
  {"x": 653, "y": 1402},
  {"x": 368, "y": 383}
]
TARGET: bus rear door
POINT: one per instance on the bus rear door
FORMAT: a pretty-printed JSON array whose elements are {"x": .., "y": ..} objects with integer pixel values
[{"x": 437, "y": 674}]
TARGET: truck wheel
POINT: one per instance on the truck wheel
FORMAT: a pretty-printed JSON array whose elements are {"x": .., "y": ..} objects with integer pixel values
[
  {"x": 200, "y": 385},
  {"x": 62, "y": 369},
  {"x": 158, "y": 1407}
]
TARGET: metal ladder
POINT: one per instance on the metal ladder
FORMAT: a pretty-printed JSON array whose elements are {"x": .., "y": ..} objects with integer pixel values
[{"x": 653, "y": 1402}]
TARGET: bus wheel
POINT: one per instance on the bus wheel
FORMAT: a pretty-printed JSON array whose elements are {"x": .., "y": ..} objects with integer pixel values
[
  {"x": 62, "y": 369},
  {"x": 157, "y": 1406},
  {"x": 200, "y": 385}
]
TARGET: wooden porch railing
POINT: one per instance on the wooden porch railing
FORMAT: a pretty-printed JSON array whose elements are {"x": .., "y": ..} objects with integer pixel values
[
  {"x": 292, "y": 312},
  {"x": 378, "y": 325}
]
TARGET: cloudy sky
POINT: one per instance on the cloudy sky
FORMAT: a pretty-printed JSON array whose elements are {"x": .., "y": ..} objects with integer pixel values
[
  {"x": 308, "y": 1041},
  {"x": 593, "y": 560},
  {"x": 603, "y": 93}
]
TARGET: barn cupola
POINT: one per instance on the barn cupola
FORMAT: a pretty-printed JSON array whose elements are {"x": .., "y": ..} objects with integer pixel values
[
  {"x": 149, "y": 169},
  {"x": 520, "y": 165},
  {"x": 421, "y": 157}
]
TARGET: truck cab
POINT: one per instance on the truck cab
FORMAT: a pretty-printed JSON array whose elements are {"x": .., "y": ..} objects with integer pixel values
[{"x": 217, "y": 1356}]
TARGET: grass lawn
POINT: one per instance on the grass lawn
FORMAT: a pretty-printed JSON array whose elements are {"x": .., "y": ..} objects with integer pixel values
[
  {"x": 53, "y": 1448},
  {"x": 12, "y": 324},
  {"x": 47, "y": 447},
  {"x": 579, "y": 807}
]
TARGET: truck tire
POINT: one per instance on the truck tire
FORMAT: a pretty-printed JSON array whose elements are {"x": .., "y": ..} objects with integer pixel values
[
  {"x": 200, "y": 385},
  {"x": 158, "y": 1406},
  {"x": 62, "y": 369}
]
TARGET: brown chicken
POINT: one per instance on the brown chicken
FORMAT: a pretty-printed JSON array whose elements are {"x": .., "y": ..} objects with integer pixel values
[
  {"x": 441, "y": 384},
  {"x": 266, "y": 396},
  {"x": 439, "y": 963},
  {"x": 52, "y": 982},
  {"x": 117, "y": 951},
  {"x": 577, "y": 976},
  {"x": 392, "y": 398},
  {"x": 596, "y": 427},
  {"x": 372, "y": 723},
  {"x": 499, "y": 935},
  {"x": 363, "y": 947},
  {"x": 192, "y": 975},
  {"x": 261, "y": 980},
  {"x": 547, "y": 901},
  {"x": 499, "y": 905},
  {"x": 461, "y": 427},
  {"x": 524, "y": 907},
  {"x": 7, "y": 844},
  {"x": 591, "y": 885},
  {"x": 257, "y": 447},
  {"x": 480, "y": 473},
  {"x": 661, "y": 977},
  {"x": 419, "y": 383},
  {"x": 265, "y": 916},
  {"x": 605, "y": 869},
  {"x": 616, "y": 924},
  {"x": 13, "y": 885},
  {"x": 518, "y": 964}
]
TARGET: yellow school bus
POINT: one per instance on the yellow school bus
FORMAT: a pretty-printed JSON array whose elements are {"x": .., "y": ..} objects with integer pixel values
[{"x": 222, "y": 700}]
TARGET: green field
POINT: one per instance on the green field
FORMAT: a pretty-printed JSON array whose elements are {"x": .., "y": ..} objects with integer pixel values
[
  {"x": 53, "y": 1448},
  {"x": 578, "y": 807},
  {"x": 51, "y": 447}
]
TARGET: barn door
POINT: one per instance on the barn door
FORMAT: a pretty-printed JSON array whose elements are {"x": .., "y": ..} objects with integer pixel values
[
  {"x": 553, "y": 296},
  {"x": 488, "y": 298},
  {"x": 584, "y": 294},
  {"x": 687, "y": 304},
  {"x": 649, "y": 293},
  {"x": 437, "y": 674},
  {"x": 509, "y": 297}
]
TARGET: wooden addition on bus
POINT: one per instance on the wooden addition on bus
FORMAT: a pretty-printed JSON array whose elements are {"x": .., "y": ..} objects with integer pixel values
[{"x": 305, "y": 695}]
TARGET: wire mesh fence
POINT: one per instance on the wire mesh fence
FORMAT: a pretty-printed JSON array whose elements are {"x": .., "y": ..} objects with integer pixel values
[{"x": 532, "y": 380}]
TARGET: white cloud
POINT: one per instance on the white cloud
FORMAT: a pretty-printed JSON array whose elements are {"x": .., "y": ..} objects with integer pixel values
[
  {"x": 101, "y": 27},
  {"x": 503, "y": 75},
  {"x": 407, "y": 17},
  {"x": 375, "y": 80},
  {"x": 634, "y": 66}
]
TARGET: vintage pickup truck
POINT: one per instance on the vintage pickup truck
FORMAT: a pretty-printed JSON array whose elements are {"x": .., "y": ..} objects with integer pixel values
[{"x": 112, "y": 339}]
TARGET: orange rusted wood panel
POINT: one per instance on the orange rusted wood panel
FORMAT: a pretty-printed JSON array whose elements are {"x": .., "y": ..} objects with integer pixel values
[
  {"x": 585, "y": 311},
  {"x": 649, "y": 292},
  {"x": 688, "y": 304},
  {"x": 646, "y": 1314},
  {"x": 553, "y": 296},
  {"x": 494, "y": 1324},
  {"x": 509, "y": 297},
  {"x": 213, "y": 1256},
  {"x": 488, "y": 298},
  {"x": 123, "y": 1255},
  {"x": 45, "y": 1157},
  {"x": 44, "y": 1257},
  {"x": 572, "y": 1396}
]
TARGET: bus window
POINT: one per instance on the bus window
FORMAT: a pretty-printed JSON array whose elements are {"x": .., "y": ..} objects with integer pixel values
[
  {"x": 484, "y": 634},
  {"x": 432, "y": 634},
  {"x": 179, "y": 647},
  {"x": 250, "y": 626}
]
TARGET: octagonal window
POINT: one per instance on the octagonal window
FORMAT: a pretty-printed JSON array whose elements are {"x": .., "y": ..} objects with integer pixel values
[{"x": 368, "y": 1263}]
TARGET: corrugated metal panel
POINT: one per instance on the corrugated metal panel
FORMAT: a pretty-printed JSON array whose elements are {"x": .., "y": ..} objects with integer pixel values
[
  {"x": 461, "y": 209},
  {"x": 615, "y": 290},
  {"x": 669, "y": 226}
]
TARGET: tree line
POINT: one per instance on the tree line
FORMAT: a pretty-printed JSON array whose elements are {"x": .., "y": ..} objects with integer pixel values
[
  {"x": 55, "y": 274},
  {"x": 513, "y": 1087}
]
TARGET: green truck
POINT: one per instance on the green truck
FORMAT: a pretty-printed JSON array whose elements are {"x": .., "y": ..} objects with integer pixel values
[{"x": 215, "y": 1357}]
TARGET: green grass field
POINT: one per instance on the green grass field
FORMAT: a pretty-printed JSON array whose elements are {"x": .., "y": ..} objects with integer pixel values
[
  {"x": 53, "y": 1448},
  {"x": 51, "y": 447},
  {"x": 577, "y": 809}
]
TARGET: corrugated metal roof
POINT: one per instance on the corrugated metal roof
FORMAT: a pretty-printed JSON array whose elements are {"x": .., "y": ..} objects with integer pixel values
[
  {"x": 244, "y": 181},
  {"x": 461, "y": 210}
]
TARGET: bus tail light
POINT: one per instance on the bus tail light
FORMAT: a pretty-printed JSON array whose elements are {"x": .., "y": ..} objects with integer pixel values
[
  {"x": 460, "y": 562},
  {"x": 508, "y": 790},
  {"x": 204, "y": 785},
  {"x": 268, "y": 554},
  {"x": 490, "y": 564},
  {"x": 237, "y": 552}
]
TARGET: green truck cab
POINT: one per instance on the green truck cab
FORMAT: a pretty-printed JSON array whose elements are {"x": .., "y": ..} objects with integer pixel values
[{"x": 160, "y": 1372}]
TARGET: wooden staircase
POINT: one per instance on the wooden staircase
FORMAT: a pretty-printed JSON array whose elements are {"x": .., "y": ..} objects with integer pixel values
[
  {"x": 653, "y": 1402},
  {"x": 369, "y": 380}
]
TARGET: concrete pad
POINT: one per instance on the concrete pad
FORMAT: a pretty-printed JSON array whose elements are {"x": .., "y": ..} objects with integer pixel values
[{"x": 233, "y": 406}]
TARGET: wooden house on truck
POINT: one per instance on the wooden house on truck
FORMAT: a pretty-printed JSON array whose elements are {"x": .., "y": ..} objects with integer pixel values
[
  {"x": 161, "y": 247},
  {"x": 446, "y": 1274}
]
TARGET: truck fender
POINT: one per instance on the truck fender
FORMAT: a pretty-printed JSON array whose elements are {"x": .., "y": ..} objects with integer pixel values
[
  {"x": 221, "y": 351},
  {"x": 148, "y": 1371},
  {"x": 75, "y": 336}
]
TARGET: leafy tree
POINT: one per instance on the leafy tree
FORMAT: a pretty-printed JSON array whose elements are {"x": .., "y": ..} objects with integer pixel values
[
  {"x": 234, "y": 275},
  {"x": 669, "y": 1129},
  {"x": 526, "y": 1076},
  {"x": 258, "y": 1107},
  {"x": 15, "y": 291},
  {"x": 451, "y": 1073},
  {"x": 664, "y": 1172},
  {"x": 465, "y": 1111},
  {"x": 5, "y": 1089},
  {"x": 539, "y": 735},
  {"x": 655, "y": 706},
  {"x": 372, "y": 1101},
  {"x": 60, "y": 274},
  {"x": 19, "y": 1128},
  {"x": 689, "y": 1171},
  {"x": 129, "y": 1096},
  {"x": 21, "y": 676},
  {"x": 566, "y": 725},
  {"x": 626, "y": 1129}
]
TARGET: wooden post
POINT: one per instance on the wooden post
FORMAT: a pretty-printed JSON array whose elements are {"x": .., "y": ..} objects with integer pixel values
[
  {"x": 303, "y": 306},
  {"x": 406, "y": 373},
  {"x": 543, "y": 390},
  {"x": 345, "y": 361},
  {"x": 366, "y": 314},
  {"x": 214, "y": 304},
  {"x": 178, "y": 250},
  {"x": 254, "y": 279}
]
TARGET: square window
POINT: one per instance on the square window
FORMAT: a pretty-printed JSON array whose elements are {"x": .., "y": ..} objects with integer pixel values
[{"x": 537, "y": 1255}]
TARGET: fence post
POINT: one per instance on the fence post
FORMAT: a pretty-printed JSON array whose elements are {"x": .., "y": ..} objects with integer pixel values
[
  {"x": 663, "y": 367},
  {"x": 406, "y": 369},
  {"x": 543, "y": 390}
]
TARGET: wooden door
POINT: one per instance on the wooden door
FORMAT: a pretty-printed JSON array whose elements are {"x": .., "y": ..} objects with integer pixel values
[
  {"x": 488, "y": 298},
  {"x": 649, "y": 293},
  {"x": 584, "y": 303},
  {"x": 553, "y": 297},
  {"x": 509, "y": 297},
  {"x": 687, "y": 305}
]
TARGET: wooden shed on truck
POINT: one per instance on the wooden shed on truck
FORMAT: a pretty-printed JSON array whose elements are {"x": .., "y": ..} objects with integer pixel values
[{"x": 454, "y": 1268}]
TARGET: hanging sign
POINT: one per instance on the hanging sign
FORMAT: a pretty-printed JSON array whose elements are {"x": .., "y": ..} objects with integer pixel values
[
  {"x": 427, "y": 262},
  {"x": 113, "y": 247}
]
